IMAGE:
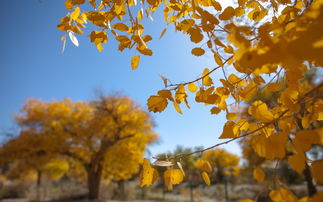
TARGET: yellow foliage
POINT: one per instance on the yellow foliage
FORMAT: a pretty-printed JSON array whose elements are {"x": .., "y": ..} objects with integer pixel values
[
  {"x": 206, "y": 178},
  {"x": 271, "y": 147},
  {"x": 316, "y": 168},
  {"x": 259, "y": 174},
  {"x": 282, "y": 194},
  {"x": 148, "y": 174},
  {"x": 135, "y": 61},
  {"x": 266, "y": 62},
  {"x": 173, "y": 176}
]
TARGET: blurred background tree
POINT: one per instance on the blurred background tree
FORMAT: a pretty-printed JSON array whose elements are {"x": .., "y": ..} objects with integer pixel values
[{"x": 106, "y": 137}]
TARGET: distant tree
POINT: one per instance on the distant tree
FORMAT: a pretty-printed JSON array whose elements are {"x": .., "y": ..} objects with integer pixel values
[
  {"x": 30, "y": 156},
  {"x": 222, "y": 161},
  {"x": 107, "y": 137}
]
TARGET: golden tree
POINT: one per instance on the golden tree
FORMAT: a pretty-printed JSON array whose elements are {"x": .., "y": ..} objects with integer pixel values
[
  {"x": 255, "y": 43},
  {"x": 29, "y": 156},
  {"x": 107, "y": 137}
]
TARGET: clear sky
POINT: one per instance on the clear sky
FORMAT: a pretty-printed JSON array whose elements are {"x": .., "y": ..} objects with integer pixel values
[{"x": 32, "y": 65}]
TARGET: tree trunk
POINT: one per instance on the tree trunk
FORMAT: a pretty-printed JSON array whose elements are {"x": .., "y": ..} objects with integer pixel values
[
  {"x": 38, "y": 185},
  {"x": 311, "y": 189},
  {"x": 93, "y": 182}
]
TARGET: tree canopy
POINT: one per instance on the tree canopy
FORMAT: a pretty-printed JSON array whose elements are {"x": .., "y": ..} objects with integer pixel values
[{"x": 106, "y": 138}]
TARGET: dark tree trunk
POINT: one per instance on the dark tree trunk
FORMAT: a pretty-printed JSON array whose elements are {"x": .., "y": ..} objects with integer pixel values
[
  {"x": 311, "y": 189},
  {"x": 93, "y": 181},
  {"x": 39, "y": 175}
]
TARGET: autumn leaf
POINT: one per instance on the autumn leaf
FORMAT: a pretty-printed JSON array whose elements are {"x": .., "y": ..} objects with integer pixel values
[
  {"x": 228, "y": 131},
  {"x": 215, "y": 110},
  {"x": 297, "y": 162},
  {"x": 177, "y": 108},
  {"x": 148, "y": 174},
  {"x": 163, "y": 33},
  {"x": 206, "y": 178},
  {"x": 282, "y": 194},
  {"x": 157, "y": 103},
  {"x": 271, "y": 147},
  {"x": 273, "y": 87},
  {"x": 316, "y": 168},
  {"x": 121, "y": 27},
  {"x": 217, "y": 59},
  {"x": 192, "y": 87},
  {"x": 75, "y": 14},
  {"x": 198, "y": 51},
  {"x": 135, "y": 61},
  {"x": 259, "y": 174},
  {"x": 227, "y": 14},
  {"x": 173, "y": 176},
  {"x": 260, "y": 111},
  {"x": 196, "y": 35}
]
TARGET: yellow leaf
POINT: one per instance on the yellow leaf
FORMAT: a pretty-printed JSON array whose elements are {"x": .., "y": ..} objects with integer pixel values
[
  {"x": 192, "y": 87},
  {"x": 228, "y": 131},
  {"x": 259, "y": 174},
  {"x": 177, "y": 107},
  {"x": 145, "y": 51},
  {"x": 252, "y": 4},
  {"x": 248, "y": 92},
  {"x": 93, "y": 3},
  {"x": 305, "y": 138},
  {"x": 238, "y": 12},
  {"x": 217, "y": 59},
  {"x": 173, "y": 176},
  {"x": 148, "y": 174},
  {"x": 271, "y": 147},
  {"x": 140, "y": 14},
  {"x": 317, "y": 168},
  {"x": 282, "y": 194},
  {"x": 166, "y": 94},
  {"x": 318, "y": 197},
  {"x": 232, "y": 116},
  {"x": 135, "y": 61},
  {"x": 242, "y": 3},
  {"x": 180, "y": 94},
  {"x": 206, "y": 81},
  {"x": 157, "y": 103},
  {"x": 236, "y": 80},
  {"x": 75, "y": 14},
  {"x": 217, "y": 6},
  {"x": 304, "y": 199},
  {"x": 215, "y": 110},
  {"x": 274, "y": 87},
  {"x": 246, "y": 200},
  {"x": 203, "y": 165},
  {"x": 260, "y": 111},
  {"x": 227, "y": 14},
  {"x": 258, "y": 15},
  {"x": 206, "y": 178},
  {"x": 163, "y": 33},
  {"x": 218, "y": 42},
  {"x": 229, "y": 49},
  {"x": 297, "y": 162},
  {"x": 69, "y": 4},
  {"x": 196, "y": 35},
  {"x": 198, "y": 51},
  {"x": 121, "y": 27}
]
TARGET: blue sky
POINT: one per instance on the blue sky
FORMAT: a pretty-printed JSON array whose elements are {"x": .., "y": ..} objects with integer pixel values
[{"x": 32, "y": 65}]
